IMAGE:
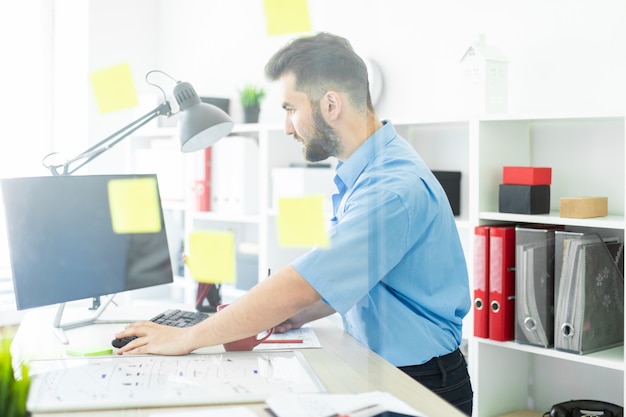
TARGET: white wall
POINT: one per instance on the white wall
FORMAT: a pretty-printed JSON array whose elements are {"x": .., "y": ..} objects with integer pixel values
[
  {"x": 26, "y": 86},
  {"x": 119, "y": 32},
  {"x": 25, "y": 117},
  {"x": 565, "y": 56}
]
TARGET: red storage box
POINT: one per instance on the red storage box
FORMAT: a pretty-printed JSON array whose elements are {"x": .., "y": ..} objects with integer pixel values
[{"x": 527, "y": 175}]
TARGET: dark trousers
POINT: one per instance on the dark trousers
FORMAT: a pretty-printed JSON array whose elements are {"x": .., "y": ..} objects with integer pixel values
[{"x": 446, "y": 376}]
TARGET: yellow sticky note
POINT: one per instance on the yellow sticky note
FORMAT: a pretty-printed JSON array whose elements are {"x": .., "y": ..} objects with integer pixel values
[
  {"x": 287, "y": 16},
  {"x": 114, "y": 89},
  {"x": 301, "y": 222},
  {"x": 134, "y": 205},
  {"x": 211, "y": 256}
]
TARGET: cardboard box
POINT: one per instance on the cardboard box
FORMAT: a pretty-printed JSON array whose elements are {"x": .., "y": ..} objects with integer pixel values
[
  {"x": 524, "y": 199},
  {"x": 583, "y": 207},
  {"x": 526, "y": 175}
]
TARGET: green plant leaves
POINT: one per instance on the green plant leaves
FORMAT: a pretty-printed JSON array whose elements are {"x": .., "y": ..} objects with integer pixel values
[
  {"x": 13, "y": 392},
  {"x": 251, "y": 95}
]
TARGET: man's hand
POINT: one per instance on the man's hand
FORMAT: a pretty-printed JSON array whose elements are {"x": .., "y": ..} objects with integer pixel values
[
  {"x": 287, "y": 325},
  {"x": 153, "y": 338},
  {"x": 241, "y": 319}
]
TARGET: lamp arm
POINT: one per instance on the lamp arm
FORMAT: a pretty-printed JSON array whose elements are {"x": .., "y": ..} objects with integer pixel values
[{"x": 110, "y": 141}]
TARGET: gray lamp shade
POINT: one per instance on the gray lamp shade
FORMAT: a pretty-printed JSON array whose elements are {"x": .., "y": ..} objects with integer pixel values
[{"x": 200, "y": 124}]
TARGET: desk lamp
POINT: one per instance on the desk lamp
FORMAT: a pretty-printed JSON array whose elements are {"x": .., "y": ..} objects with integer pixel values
[{"x": 200, "y": 126}]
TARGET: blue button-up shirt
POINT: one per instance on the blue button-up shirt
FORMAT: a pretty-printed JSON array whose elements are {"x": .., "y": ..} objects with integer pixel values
[{"x": 395, "y": 268}]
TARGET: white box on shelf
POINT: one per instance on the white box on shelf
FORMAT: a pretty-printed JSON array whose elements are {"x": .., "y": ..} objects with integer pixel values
[
  {"x": 303, "y": 181},
  {"x": 164, "y": 159}
]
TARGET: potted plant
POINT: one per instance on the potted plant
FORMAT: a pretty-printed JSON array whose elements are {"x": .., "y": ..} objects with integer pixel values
[
  {"x": 13, "y": 392},
  {"x": 250, "y": 98}
]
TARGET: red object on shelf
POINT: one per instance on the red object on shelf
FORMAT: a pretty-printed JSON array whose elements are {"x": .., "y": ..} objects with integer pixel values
[
  {"x": 502, "y": 283},
  {"x": 481, "y": 281},
  {"x": 202, "y": 187},
  {"x": 518, "y": 175},
  {"x": 203, "y": 195}
]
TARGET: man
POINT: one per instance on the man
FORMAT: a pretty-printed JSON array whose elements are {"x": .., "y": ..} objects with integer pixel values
[{"x": 395, "y": 269}]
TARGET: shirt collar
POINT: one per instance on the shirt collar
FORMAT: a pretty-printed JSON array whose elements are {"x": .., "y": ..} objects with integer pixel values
[{"x": 349, "y": 170}]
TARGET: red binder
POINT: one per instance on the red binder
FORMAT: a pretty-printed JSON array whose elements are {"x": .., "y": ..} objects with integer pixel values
[
  {"x": 481, "y": 281},
  {"x": 502, "y": 283},
  {"x": 202, "y": 187}
]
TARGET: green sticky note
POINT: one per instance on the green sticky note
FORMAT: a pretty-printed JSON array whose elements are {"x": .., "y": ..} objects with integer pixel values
[
  {"x": 211, "y": 256},
  {"x": 301, "y": 222},
  {"x": 114, "y": 88},
  {"x": 134, "y": 205},
  {"x": 89, "y": 351},
  {"x": 287, "y": 16}
]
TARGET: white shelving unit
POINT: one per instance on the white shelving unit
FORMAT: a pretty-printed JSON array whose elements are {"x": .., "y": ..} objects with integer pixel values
[
  {"x": 587, "y": 155},
  {"x": 254, "y": 232}
]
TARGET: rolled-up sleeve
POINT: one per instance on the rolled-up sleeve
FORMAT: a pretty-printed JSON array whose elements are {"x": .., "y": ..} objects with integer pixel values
[{"x": 368, "y": 242}]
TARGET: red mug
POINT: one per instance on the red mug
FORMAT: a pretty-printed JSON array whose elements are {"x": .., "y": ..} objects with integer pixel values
[{"x": 247, "y": 343}]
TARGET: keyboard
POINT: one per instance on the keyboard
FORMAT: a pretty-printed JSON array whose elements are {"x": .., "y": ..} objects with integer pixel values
[{"x": 175, "y": 318}]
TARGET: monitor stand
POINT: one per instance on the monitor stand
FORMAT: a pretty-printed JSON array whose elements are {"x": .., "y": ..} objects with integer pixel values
[{"x": 59, "y": 329}]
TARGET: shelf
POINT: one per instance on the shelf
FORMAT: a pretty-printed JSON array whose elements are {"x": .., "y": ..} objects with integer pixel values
[
  {"x": 226, "y": 217},
  {"x": 608, "y": 222},
  {"x": 550, "y": 117},
  {"x": 255, "y": 128},
  {"x": 612, "y": 358},
  {"x": 174, "y": 205},
  {"x": 586, "y": 154}
]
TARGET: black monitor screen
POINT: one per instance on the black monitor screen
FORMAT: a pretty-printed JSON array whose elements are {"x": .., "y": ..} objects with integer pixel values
[{"x": 75, "y": 237}]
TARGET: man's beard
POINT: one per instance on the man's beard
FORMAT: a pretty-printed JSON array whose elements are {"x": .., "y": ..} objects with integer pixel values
[{"x": 323, "y": 142}]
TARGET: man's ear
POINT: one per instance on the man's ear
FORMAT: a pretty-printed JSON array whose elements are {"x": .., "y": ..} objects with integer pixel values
[{"x": 331, "y": 105}]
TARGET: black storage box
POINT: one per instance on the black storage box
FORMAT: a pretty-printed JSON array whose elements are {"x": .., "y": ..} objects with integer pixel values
[
  {"x": 524, "y": 199},
  {"x": 451, "y": 183}
]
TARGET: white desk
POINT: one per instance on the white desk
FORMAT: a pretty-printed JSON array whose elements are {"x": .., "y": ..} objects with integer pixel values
[{"x": 342, "y": 364}]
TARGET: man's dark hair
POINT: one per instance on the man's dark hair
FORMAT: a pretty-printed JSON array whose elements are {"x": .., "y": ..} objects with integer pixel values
[{"x": 320, "y": 63}]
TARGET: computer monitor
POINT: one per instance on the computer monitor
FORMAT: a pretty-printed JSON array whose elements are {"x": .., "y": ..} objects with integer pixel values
[{"x": 76, "y": 237}]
